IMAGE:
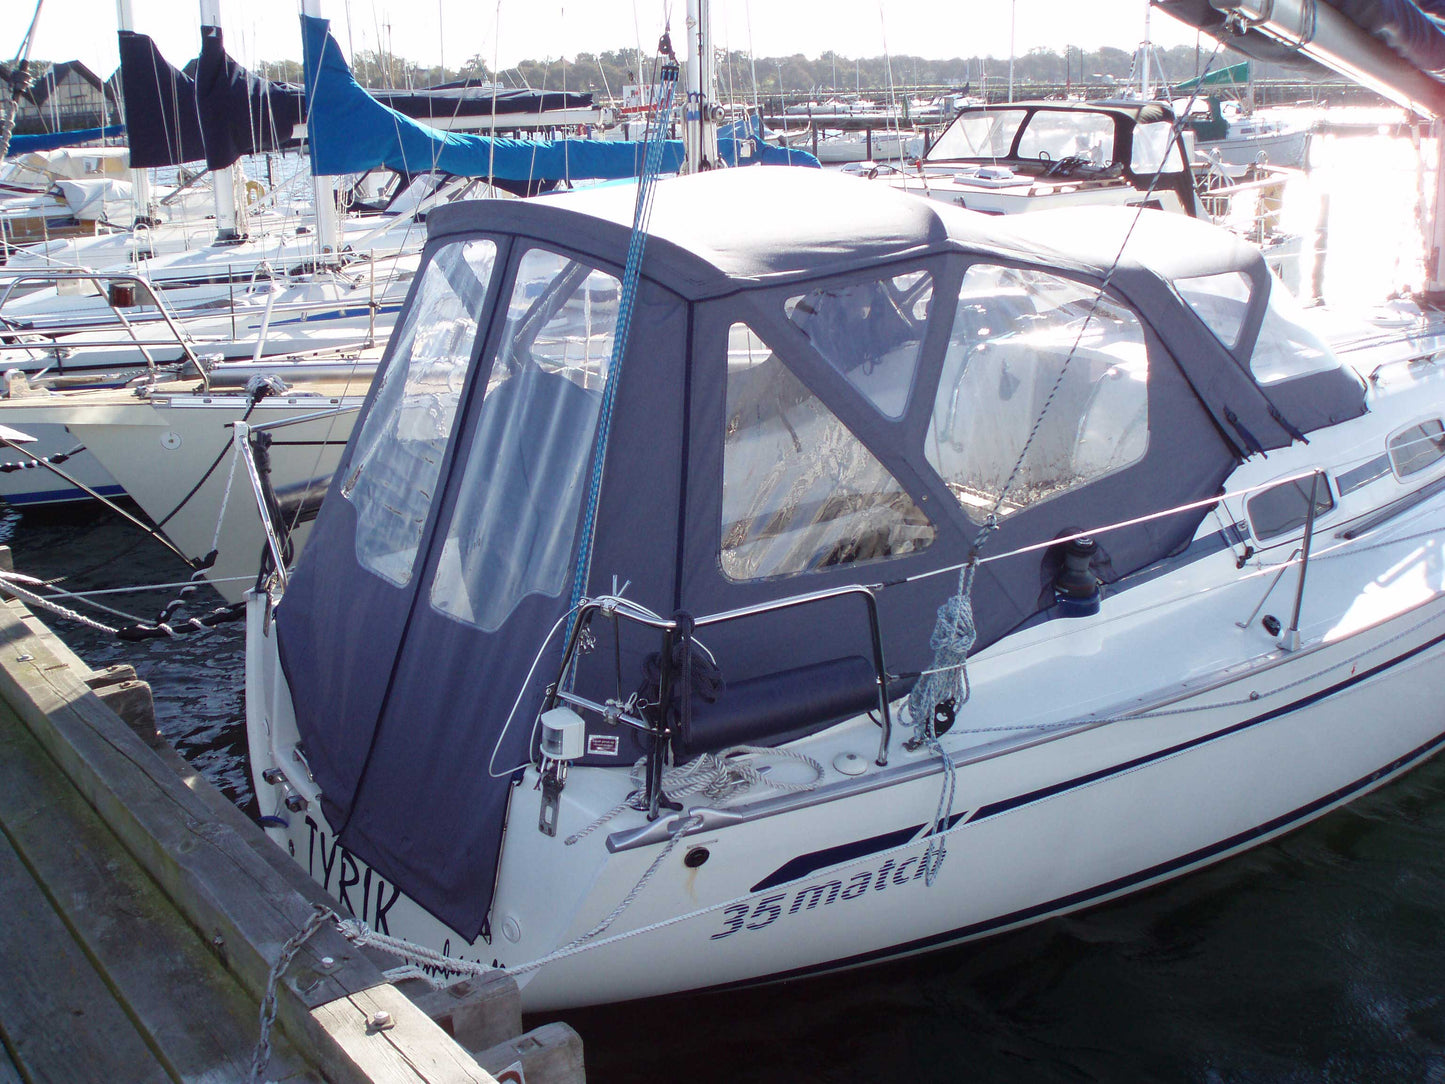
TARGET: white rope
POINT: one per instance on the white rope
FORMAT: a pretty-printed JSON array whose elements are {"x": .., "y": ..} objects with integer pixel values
[
  {"x": 717, "y": 776},
  {"x": 11, "y": 585}
]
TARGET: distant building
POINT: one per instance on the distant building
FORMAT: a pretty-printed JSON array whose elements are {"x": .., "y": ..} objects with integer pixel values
[{"x": 66, "y": 97}]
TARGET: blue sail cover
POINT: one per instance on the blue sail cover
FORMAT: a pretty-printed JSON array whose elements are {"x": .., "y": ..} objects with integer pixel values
[
  {"x": 351, "y": 132},
  {"x": 49, "y": 141}
]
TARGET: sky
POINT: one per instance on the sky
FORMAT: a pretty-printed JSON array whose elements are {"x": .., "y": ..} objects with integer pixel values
[{"x": 503, "y": 32}]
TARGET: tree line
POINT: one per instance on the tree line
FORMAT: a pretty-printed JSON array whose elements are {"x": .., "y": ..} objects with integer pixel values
[{"x": 741, "y": 76}]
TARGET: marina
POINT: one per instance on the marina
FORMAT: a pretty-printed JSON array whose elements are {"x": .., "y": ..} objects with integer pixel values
[{"x": 956, "y": 584}]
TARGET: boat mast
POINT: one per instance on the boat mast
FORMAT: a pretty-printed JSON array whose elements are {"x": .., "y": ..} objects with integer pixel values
[
  {"x": 140, "y": 178},
  {"x": 328, "y": 227},
  {"x": 19, "y": 84},
  {"x": 701, "y": 113},
  {"x": 1146, "y": 89},
  {"x": 229, "y": 216}
]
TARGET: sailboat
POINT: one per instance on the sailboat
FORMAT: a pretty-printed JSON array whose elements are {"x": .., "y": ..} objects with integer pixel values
[{"x": 866, "y": 593}]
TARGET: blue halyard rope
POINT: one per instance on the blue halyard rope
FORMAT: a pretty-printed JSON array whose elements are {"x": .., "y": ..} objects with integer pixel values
[{"x": 642, "y": 213}]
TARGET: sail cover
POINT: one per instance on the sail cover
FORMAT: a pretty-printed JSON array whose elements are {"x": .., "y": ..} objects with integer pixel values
[
  {"x": 217, "y": 115},
  {"x": 49, "y": 141},
  {"x": 351, "y": 132},
  {"x": 160, "y": 106},
  {"x": 241, "y": 113}
]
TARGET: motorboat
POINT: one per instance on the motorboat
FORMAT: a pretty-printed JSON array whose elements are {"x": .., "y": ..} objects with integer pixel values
[
  {"x": 1039, "y": 155},
  {"x": 896, "y": 587}
]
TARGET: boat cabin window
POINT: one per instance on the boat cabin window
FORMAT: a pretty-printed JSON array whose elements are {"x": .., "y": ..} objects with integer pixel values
[
  {"x": 1052, "y": 136},
  {"x": 1221, "y": 301},
  {"x": 1154, "y": 145},
  {"x": 515, "y": 522},
  {"x": 1286, "y": 347},
  {"x": 800, "y": 491},
  {"x": 1284, "y": 508},
  {"x": 871, "y": 332},
  {"x": 393, "y": 473},
  {"x": 1417, "y": 447},
  {"x": 978, "y": 135},
  {"x": 1022, "y": 339}
]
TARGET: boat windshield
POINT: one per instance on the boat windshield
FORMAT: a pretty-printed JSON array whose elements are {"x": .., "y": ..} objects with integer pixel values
[
  {"x": 1053, "y": 135},
  {"x": 978, "y": 135},
  {"x": 512, "y": 532}
]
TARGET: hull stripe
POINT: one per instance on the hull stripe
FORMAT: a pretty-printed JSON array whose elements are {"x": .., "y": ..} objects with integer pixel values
[{"x": 831, "y": 856}]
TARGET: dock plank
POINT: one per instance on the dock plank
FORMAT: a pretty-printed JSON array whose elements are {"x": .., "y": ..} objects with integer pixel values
[
  {"x": 194, "y": 1013},
  {"x": 243, "y": 893},
  {"x": 57, "y": 1016},
  {"x": 429, "y": 1056}
]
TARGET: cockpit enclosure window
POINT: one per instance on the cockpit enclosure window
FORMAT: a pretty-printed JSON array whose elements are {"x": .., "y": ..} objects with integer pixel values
[
  {"x": 978, "y": 135},
  {"x": 1284, "y": 508},
  {"x": 1417, "y": 447},
  {"x": 800, "y": 491},
  {"x": 1054, "y": 135},
  {"x": 1286, "y": 347},
  {"x": 1029, "y": 347},
  {"x": 515, "y": 522},
  {"x": 1153, "y": 144},
  {"x": 1221, "y": 301},
  {"x": 393, "y": 474},
  {"x": 871, "y": 332}
]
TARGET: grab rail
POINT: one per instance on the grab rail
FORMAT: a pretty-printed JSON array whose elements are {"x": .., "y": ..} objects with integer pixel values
[{"x": 73, "y": 274}]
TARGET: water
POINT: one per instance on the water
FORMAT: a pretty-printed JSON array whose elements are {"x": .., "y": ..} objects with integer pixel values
[{"x": 1315, "y": 958}]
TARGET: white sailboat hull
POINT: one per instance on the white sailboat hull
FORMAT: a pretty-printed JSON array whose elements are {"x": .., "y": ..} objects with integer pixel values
[{"x": 1046, "y": 820}]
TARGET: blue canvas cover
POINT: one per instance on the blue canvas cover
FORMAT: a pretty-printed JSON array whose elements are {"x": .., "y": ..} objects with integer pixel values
[
  {"x": 404, "y": 707},
  {"x": 49, "y": 141},
  {"x": 351, "y": 132}
]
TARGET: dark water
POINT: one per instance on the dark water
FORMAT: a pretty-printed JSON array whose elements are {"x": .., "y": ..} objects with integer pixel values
[
  {"x": 1320, "y": 957},
  {"x": 1317, "y": 958}
]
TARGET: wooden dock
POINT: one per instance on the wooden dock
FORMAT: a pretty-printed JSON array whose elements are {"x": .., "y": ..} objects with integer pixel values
[{"x": 143, "y": 915}]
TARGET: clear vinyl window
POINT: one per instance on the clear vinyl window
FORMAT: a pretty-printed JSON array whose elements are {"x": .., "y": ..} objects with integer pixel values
[
  {"x": 1024, "y": 340},
  {"x": 1287, "y": 346},
  {"x": 1221, "y": 301},
  {"x": 393, "y": 473},
  {"x": 978, "y": 135},
  {"x": 871, "y": 332},
  {"x": 513, "y": 530},
  {"x": 800, "y": 491}
]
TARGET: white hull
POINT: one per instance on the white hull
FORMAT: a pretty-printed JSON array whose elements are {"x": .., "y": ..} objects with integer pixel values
[
  {"x": 1278, "y": 149},
  {"x": 156, "y": 451},
  {"x": 1072, "y": 822}
]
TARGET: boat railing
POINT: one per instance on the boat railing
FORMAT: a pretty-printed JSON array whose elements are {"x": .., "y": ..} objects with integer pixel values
[
  {"x": 105, "y": 283},
  {"x": 682, "y": 627}
]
